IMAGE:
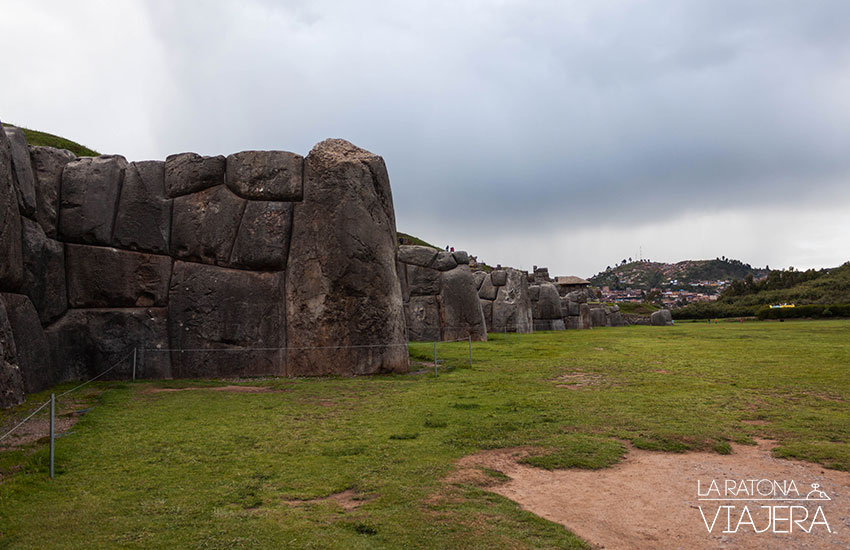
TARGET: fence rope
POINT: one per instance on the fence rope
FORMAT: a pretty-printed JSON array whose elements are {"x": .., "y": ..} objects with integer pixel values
[
  {"x": 21, "y": 423},
  {"x": 117, "y": 363}
]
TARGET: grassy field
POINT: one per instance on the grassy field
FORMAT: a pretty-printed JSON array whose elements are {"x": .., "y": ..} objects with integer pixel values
[{"x": 213, "y": 469}]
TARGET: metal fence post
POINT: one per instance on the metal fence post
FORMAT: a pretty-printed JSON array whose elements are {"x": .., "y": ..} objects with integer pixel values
[
  {"x": 470, "y": 349},
  {"x": 52, "y": 430},
  {"x": 435, "y": 358},
  {"x": 134, "y": 363}
]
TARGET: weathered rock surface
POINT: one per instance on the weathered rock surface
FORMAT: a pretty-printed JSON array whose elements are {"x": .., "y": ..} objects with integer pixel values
[
  {"x": 548, "y": 305},
  {"x": 44, "y": 272},
  {"x": 479, "y": 277},
  {"x": 32, "y": 350},
  {"x": 11, "y": 381},
  {"x": 423, "y": 281},
  {"x": 190, "y": 172},
  {"x": 87, "y": 342},
  {"x": 22, "y": 171},
  {"x": 48, "y": 164},
  {"x": 229, "y": 311},
  {"x": 499, "y": 277},
  {"x": 461, "y": 315},
  {"x": 11, "y": 266},
  {"x": 89, "y": 198},
  {"x": 461, "y": 257},
  {"x": 445, "y": 261},
  {"x": 488, "y": 291},
  {"x": 661, "y": 318},
  {"x": 487, "y": 310},
  {"x": 598, "y": 318},
  {"x": 143, "y": 221},
  {"x": 266, "y": 175},
  {"x": 204, "y": 225},
  {"x": 345, "y": 287},
  {"x": 512, "y": 306},
  {"x": 100, "y": 277},
  {"x": 422, "y": 256},
  {"x": 262, "y": 241},
  {"x": 423, "y": 319}
]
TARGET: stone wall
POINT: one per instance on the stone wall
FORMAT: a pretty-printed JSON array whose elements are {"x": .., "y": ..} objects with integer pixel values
[
  {"x": 505, "y": 300},
  {"x": 440, "y": 295},
  {"x": 260, "y": 250}
]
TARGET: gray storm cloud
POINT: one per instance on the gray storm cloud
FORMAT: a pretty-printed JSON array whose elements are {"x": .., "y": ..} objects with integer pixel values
[{"x": 575, "y": 126}]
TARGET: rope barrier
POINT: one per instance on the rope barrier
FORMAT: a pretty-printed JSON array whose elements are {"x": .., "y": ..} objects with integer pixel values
[
  {"x": 98, "y": 376},
  {"x": 21, "y": 423}
]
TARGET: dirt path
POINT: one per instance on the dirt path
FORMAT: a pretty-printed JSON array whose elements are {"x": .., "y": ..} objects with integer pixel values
[{"x": 651, "y": 500}]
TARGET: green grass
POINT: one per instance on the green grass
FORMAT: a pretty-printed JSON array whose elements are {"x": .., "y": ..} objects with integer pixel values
[
  {"x": 205, "y": 469},
  {"x": 34, "y": 137},
  {"x": 410, "y": 239}
]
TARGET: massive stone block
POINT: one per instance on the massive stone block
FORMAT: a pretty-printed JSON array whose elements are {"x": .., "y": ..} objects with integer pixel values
[
  {"x": 143, "y": 221},
  {"x": 100, "y": 277},
  {"x": 32, "y": 350},
  {"x": 89, "y": 197},
  {"x": 237, "y": 314},
  {"x": 444, "y": 261},
  {"x": 661, "y": 318},
  {"x": 190, "y": 172},
  {"x": 11, "y": 381},
  {"x": 22, "y": 171},
  {"x": 44, "y": 272},
  {"x": 423, "y": 319},
  {"x": 460, "y": 312},
  {"x": 266, "y": 175},
  {"x": 423, "y": 281},
  {"x": 598, "y": 317},
  {"x": 345, "y": 290},
  {"x": 204, "y": 225},
  {"x": 262, "y": 241},
  {"x": 487, "y": 310},
  {"x": 479, "y": 277},
  {"x": 48, "y": 164},
  {"x": 487, "y": 291},
  {"x": 423, "y": 256},
  {"x": 87, "y": 342},
  {"x": 512, "y": 307},
  {"x": 11, "y": 262}
]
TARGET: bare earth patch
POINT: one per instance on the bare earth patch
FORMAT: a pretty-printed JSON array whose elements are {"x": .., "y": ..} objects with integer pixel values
[
  {"x": 578, "y": 380},
  {"x": 651, "y": 500},
  {"x": 347, "y": 500},
  {"x": 232, "y": 389}
]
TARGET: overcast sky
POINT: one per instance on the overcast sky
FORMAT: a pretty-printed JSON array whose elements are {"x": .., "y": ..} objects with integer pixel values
[{"x": 561, "y": 133}]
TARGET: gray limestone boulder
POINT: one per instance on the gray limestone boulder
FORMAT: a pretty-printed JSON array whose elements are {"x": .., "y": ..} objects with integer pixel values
[
  {"x": 548, "y": 304},
  {"x": 423, "y": 319},
  {"x": 48, "y": 164},
  {"x": 598, "y": 317},
  {"x": 345, "y": 287},
  {"x": 262, "y": 242},
  {"x": 461, "y": 257},
  {"x": 479, "y": 277},
  {"x": 11, "y": 381},
  {"x": 661, "y": 318},
  {"x": 190, "y": 172},
  {"x": 533, "y": 293},
  {"x": 401, "y": 270},
  {"x": 445, "y": 261},
  {"x": 499, "y": 277},
  {"x": 584, "y": 319},
  {"x": 422, "y": 256},
  {"x": 204, "y": 225},
  {"x": 512, "y": 307},
  {"x": 31, "y": 347},
  {"x": 487, "y": 311},
  {"x": 460, "y": 312},
  {"x": 549, "y": 324},
  {"x": 266, "y": 175},
  {"x": 423, "y": 281},
  {"x": 143, "y": 221},
  {"x": 615, "y": 319},
  {"x": 11, "y": 266},
  {"x": 89, "y": 198},
  {"x": 22, "y": 171},
  {"x": 488, "y": 291},
  {"x": 87, "y": 342},
  {"x": 226, "y": 322},
  {"x": 100, "y": 277},
  {"x": 44, "y": 272}
]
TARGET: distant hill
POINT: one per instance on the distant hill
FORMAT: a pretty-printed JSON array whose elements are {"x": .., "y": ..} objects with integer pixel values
[
  {"x": 35, "y": 137},
  {"x": 410, "y": 239},
  {"x": 646, "y": 275}
]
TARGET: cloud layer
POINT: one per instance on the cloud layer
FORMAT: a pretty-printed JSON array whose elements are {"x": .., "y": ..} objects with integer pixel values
[{"x": 558, "y": 133}]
